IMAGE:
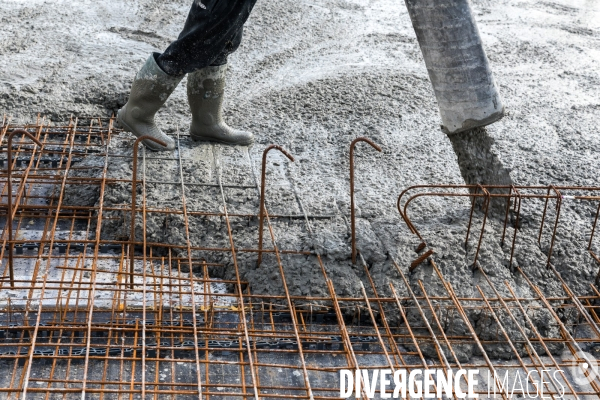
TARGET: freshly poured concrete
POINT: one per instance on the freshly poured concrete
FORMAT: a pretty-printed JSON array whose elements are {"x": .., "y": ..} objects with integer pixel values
[{"x": 312, "y": 77}]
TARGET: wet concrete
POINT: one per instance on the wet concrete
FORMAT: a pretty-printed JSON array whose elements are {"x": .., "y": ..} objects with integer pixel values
[{"x": 312, "y": 78}]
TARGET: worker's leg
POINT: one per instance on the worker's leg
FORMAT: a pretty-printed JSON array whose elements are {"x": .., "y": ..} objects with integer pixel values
[
  {"x": 212, "y": 30},
  {"x": 230, "y": 47}
]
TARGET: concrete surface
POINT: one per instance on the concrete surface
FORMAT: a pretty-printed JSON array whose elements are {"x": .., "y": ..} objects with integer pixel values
[{"x": 312, "y": 77}]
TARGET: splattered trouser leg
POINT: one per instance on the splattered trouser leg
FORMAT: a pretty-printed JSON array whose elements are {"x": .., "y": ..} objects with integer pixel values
[{"x": 212, "y": 31}]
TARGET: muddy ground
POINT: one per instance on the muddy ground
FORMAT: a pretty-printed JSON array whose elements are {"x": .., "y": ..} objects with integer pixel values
[{"x": 312, "y": 77}]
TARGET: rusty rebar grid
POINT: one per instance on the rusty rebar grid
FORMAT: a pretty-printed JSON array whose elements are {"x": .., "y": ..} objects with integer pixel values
[
  {"x": 72, "y": 325},
  {"x": 516, "y": 194}
]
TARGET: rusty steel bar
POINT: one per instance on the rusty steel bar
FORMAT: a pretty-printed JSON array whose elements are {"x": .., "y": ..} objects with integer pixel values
[
  {"x": 191, "y": 270},
  {"x": 420, "y": 259},
  {"x": 567, "y": 336},
  {"x": 575, "y": 301},
  {"x": 594, "y": 227},
  {"x": 253, "y": 372},
  {"x": 374, "y": 321},
  {"x": 350, "y": 355},
  {"x": 521, "y": 329},
  {"x": 558, "y": 206},
  {"x": 544, "y": 216},
  {"x": 485, "y": 215},
  {"x": 507, "y": 211},
  {"x": 393, "y": 345},
  {"x": 516, "y": 228},
  {"x": 9, "y": 218},
  {"x": 134, "y": 199},
  {"x": 262, "y": 210},
  {"x": 25, "y": 378},
  {"x": 438, "y": 346},
  {"x": 352, "y": 207},
  {"x": 292, "y": 312},
  {"x": 94, "y": 270}
]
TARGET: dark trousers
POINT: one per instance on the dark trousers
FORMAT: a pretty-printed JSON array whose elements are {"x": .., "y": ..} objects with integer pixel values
[{"x": 212, "y": 31}]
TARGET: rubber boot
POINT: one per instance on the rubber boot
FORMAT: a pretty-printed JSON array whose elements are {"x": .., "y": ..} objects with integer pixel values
[
  {"x": 150, "y": 90},
  {"x": 205, "y": 89}
]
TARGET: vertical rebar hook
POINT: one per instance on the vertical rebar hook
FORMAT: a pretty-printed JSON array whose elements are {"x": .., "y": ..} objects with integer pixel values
[
  {"x": 352, "y": 213},
  {"x": 262, "y": 195}
]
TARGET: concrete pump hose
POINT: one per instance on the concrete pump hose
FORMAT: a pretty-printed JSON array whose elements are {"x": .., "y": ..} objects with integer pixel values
[{"x": 456, "y": 62}]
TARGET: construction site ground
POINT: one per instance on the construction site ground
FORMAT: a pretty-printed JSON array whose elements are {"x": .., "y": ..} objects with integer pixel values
[{"x": 310, "y": 77}]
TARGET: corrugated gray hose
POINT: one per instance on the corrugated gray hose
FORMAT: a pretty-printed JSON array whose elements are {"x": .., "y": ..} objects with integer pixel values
[{"x": 458, "y": 67}]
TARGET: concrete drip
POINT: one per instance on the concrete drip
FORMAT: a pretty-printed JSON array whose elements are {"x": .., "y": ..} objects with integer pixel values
[{"x": 479, "y": 163}]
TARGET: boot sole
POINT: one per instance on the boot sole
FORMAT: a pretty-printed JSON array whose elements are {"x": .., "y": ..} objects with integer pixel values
[
  {"x": 126, "y": 128},
  {"x": 212, "y": 140}
]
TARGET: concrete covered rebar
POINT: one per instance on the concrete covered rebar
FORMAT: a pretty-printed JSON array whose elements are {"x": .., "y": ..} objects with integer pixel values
[{"x": 457, "y": 64}]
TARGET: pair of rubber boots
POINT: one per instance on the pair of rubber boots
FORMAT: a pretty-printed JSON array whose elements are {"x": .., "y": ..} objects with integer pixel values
[{"x": 152, "y": 87}]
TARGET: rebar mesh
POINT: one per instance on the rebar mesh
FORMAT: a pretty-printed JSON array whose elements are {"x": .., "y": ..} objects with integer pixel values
[{"x": 86, "y": 317}]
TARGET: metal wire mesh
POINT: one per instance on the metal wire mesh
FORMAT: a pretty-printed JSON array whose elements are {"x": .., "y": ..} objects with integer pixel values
[{"x": 86, "y": 317}]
